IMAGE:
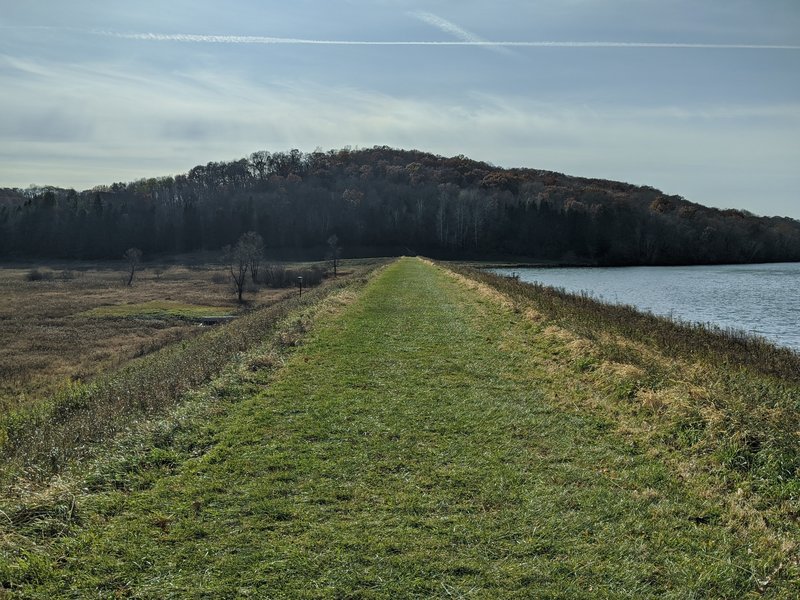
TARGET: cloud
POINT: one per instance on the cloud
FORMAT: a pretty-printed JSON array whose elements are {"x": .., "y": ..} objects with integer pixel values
[
  {"x": 456, "y": 31},
  {"x": 450, "y": 28},
  {"x": 96, "y": 123},
  {"x": 447, "y": 26}
]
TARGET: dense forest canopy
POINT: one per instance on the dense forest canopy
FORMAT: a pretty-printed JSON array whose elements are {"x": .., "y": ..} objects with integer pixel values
[{"x": 384, "y": 200}]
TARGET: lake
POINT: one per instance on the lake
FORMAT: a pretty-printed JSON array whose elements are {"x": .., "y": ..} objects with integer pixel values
[{"x": 760, "y": 299}]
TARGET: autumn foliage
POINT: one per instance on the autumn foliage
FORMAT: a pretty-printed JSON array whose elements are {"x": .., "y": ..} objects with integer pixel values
[{"x": 388, "y": 201}]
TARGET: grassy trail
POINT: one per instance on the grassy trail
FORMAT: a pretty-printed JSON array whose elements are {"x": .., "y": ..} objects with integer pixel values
[{"x": 408, "y": 449}]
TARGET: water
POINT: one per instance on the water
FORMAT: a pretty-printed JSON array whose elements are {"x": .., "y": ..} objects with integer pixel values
[{"x": 760, "y": 299}]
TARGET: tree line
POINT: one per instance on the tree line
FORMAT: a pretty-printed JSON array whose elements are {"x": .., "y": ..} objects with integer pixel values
[{"x": 388, "y": 201}]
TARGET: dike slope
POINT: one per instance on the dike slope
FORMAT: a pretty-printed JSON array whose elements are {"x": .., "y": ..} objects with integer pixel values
[{"x": 412, "y": 446}]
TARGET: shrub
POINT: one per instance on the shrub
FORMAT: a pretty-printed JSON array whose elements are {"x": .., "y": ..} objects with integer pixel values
[
  {"x": 275, "y": 275},
  {"x": 311, "y": 275},
  {"x": 278, "y": 276},
  {"x": 37, "y": 275}
]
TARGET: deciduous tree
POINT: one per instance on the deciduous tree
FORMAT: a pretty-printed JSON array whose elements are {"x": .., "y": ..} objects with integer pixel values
[
  {"x": 133, "y": 256},
  {"x": 238, "y": 260},
  {"x": 334, "y": 250},
  {"x": 253, "y": 246}
]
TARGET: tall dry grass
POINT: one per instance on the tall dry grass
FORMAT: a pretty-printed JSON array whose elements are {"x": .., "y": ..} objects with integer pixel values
[
  {"x": 48, "y": 338},
  {"x": 585, "y": 315}
]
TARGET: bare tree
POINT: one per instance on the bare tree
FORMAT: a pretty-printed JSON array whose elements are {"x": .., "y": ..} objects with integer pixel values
[
  {"x": 238, "y": 260},
  {"x": 334, "y": 250},
  {"x": 253, "y": 245},
  {"x": 133, "y": 256}
]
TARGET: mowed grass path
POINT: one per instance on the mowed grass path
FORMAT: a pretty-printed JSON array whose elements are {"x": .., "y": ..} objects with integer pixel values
[{"x": 407, "y": 450}]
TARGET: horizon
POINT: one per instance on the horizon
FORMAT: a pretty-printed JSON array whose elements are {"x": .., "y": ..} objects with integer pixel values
[{"x": 696, "y": 101}]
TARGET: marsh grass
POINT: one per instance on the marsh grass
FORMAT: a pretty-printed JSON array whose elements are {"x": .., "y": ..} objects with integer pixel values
[
  {"x": 40, "y": 438},
  {"x": 51, "y": 336},
  {"x": 159, "y": 309},
  {"x": 48, "y": 341}
]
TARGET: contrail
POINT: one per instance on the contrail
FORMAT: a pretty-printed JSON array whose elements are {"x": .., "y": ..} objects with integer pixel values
[
  {"x": 447, "y": 27},
  {"x": 254, "y": 39},
  {"x": 456, "y": 31}
]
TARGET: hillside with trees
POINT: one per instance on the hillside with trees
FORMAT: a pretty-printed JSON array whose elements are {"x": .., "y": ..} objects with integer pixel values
[{"x": 388, "y": 201}]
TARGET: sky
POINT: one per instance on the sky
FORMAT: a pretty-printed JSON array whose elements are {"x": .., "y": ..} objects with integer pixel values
[{"x": 699, "y": 98}]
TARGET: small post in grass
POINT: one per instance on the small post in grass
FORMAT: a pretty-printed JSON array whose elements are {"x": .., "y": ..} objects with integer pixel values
[{"x": 300, "y": 284}]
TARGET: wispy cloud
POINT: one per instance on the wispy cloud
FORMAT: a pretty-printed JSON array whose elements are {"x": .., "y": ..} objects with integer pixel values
[
  {"x": 456, "y": 31},
  {"x": 129, "y": 124},
  {"x": 255, "y": 39},
  {"x": 447, "y": 26}
]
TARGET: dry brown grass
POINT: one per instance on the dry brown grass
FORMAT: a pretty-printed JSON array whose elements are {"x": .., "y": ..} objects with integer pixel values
[
  {"x": 46, "y": 340},
  {"x": 482, "y": 289}
]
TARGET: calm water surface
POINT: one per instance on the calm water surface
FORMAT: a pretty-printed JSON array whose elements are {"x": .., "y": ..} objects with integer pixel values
[{"x": 759, "y": 299}]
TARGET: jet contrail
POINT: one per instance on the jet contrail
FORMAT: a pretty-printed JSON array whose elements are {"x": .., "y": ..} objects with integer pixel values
[
  {"x": 456, "y": 31},
  {"x": 447, "y": 26},
  {"x": 255, "y": 39}
]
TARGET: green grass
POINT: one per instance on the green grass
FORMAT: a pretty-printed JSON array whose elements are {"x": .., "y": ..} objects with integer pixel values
[
  {"x": 416, "y": 445},
  {"x": 159, "y": 309}
]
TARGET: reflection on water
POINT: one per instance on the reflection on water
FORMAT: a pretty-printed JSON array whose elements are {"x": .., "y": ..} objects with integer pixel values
[{"x": 759, "y": 299}]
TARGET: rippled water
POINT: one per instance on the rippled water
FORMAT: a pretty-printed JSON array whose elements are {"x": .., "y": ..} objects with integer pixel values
[{"x": 759, "y": 299}]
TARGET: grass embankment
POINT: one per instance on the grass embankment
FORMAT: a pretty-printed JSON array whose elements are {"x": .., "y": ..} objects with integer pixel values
[
  {"x": 430, "y": 441},
  {"x": 40, "y": 439},
  {"x": 729, "y": 400},
  {"x": 589, "y": 317}
]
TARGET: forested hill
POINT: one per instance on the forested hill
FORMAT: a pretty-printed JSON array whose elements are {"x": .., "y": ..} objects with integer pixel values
[{"x": 385, "y": 200}]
